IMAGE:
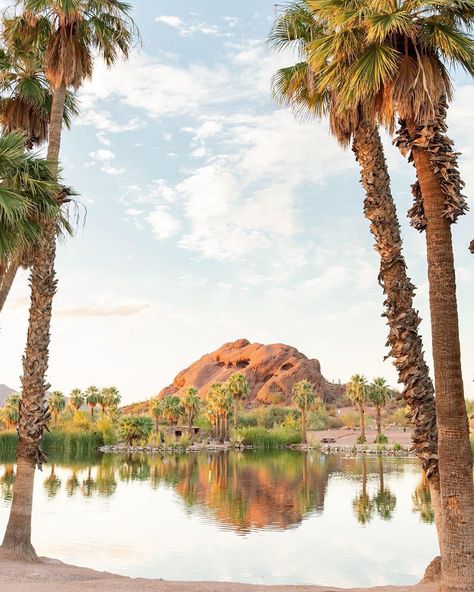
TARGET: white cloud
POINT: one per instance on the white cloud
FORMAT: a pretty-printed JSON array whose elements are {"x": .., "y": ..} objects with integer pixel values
[
  {"x": 163, "y": 223},
  {"x": 102, "y": 155},
  {"x": 189, "y": 29}
]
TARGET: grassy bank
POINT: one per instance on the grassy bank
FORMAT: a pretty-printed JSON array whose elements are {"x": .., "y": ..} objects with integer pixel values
[
  {"x": 73, "y": 442},
  {"x": 264, "y": 439}
]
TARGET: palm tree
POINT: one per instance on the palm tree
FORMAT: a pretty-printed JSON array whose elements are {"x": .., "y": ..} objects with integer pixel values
[
  {"x": 379, "y": 394},
  {"x": 156, "y": 409},
  {"x": 92, "y": 399},
  {"x": 109, "y": 398},
  {"x": 307, "y": 27},
  {"x": 357, "y": 391},
  {"x": 56, "y": 404},
  {"x": 25, "y": 107},
  {"x": 400, "y": 55},
  {"x": 76, "y": 399},
  {"x": 192, "y": 405},
  {"x": 10, "y": 411},
  {"x": 69, "y": 32},
  {"x": 220, "y": 402},
  {"x": 304, "y": 398},
  {"x": 172, "y": 409},
  {"x": 239, "y": 387}
]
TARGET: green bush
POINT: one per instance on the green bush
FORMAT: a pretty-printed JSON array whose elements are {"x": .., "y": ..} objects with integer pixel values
[
  {"x": 318, "y": 419},
  {"x": 381, "y": 439},
  {"x": 397, "y": 446},
  {"x": 334, "y": 423},
  {"x": 261, "y": 438}
]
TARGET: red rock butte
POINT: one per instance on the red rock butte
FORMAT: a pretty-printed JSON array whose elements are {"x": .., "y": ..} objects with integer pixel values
[{"x": 271, "y": 370}]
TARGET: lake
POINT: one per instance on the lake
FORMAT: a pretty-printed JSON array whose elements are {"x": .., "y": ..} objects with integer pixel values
[{"x": 281, "y": 517}]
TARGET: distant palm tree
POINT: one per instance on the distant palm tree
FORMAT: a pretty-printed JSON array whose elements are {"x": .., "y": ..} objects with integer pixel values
[
  {"x": 192, "y": 405},
  {"x": 56, "y": 403},
  {"x": 156, "y": 409},
  {"x": 239, "y": 387},
  {"x": 304, "y": 398},
  {"x": 379, "y": 394},
  {"x": 10, "y": 411},
  {"x": 220, "y": 402},
  {"x": 109, "y": 398},
  {"x": 92, "y": 398},
  {"x": 76, "y": 399},
  {"x": 357, "y": 391},
  {"x": 172, "y": 409}
]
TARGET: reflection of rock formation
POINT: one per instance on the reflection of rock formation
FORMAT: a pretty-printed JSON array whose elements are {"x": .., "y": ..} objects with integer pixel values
[
  {"x": 422, "y": 501},
  {"x": 247, "y": 491},
  {"x": 271, "y": 370}
]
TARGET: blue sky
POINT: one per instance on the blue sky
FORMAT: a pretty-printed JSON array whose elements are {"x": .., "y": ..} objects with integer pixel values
[{"x": 211, "y": 215}]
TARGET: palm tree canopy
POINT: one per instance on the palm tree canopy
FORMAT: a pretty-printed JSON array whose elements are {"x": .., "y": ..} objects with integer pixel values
[
  {"x": 303, "y": 394},
  {"x": 238, "y": 385},
  {"x": 191, "y": 400},
  {"x": 57, "y": 401},
  {"x": 379, "y": 392},
  {"x": 76, "y": 398},
  {"x": 70, "y": 32},
  {"x": 92, "y": 396},
  {"x": 357, "y": 389}
]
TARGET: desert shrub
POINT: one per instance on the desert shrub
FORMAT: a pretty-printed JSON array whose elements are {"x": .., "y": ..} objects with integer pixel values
[
  {"x": 399, "y": 417},
  {"x": 135, "y": 428},
  {"x": 318, "y": 419},
  {"x": 381, "y": 439},
  {"x": 397, "y": 446},
  {"x": 81, "y": 420},
  {"x": 350, "y": 419},
  {"x": 106, "y": 427},
  {"x": 247, "y": 419},
  {"x": 334, "y": 423}
]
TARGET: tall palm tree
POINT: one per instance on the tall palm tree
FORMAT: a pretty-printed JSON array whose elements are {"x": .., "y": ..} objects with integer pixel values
[
  {"x": 239, "y": 387},
  {"x": 400, "y": 55},
  {"x": 311, "y": 94},
  {"x": 172, "y": 409},
  {"x": 156, "y": 409},
  {"x": 25, "y": 105},
  {"x": 379, "y": 394},
  {"x": 56, "y": 404},
  {"x": 304, "y": 398},
  {"x": 76, "y": 399},
  {"x": 92, "y": 399},
  {"x": 357, "y": 391},
  {"x": 109, "y": 398},
  {"x": 192, "y": 405}
]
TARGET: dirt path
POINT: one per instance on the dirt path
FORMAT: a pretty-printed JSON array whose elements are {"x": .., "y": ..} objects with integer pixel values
[{"x": 54, "y": 576}]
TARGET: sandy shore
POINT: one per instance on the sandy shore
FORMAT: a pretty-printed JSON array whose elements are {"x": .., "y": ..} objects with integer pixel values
[{"x": 54, "y": 576}]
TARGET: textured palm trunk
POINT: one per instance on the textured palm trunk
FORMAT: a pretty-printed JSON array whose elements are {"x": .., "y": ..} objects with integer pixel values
[
  {"x": 378, "y": 420},
  {"x": 304, "y": 438},
  {"x": 441, "y": 204},
  {"x": 404, "y": 340},
  {"x": 6, "y": 282},
  {"x": 17, "y": 541},
  {"x": 34, "y": 413},
  {"x": 362, "y": 423},
  {"x": 236, "y": 411}
]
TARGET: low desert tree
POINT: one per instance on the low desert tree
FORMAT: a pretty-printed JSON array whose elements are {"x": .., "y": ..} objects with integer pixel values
[
  {"x": 56, "y": 404},
  {"x": 379, "y": 394},
  {"x": 92, "y": 398},
  {"x": 76, "y": 399},
  {"x": 135, "y": 428},
  {"x": 357, "y": 392},
  {"x": 192, "y": 405},
  {"x": 172, "y": 409},
  {"x": 304, "y": 398},
  {"x": 239, "y": 387}
]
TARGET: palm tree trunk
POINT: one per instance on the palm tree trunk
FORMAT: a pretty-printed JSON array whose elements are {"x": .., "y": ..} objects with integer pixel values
[
  {"x": 304, "y": 438},
  {"x": 404, "y": 340},
  {"x": 34, "y": 413},
  {"x": 17, "y": 541},
  {"x": 378, "y": 420},
  {"x": 6, "y": 282},
  {"x": 441, "y": 203},
  {"x": 362, "y": 423},
  {"x": 236, "y": 411}
]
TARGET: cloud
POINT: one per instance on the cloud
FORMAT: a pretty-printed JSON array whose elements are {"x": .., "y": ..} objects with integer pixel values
[
  {"x": 163, "y": 223},
  {"x": 102, "y": 155},
  {"x": 189, "y": 29},
  {"x": 97, "y": 310}
]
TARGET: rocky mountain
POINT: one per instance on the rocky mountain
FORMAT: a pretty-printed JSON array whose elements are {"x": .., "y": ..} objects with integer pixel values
[
  {"x": 271, "y": 370},
  {"x": 5, "y": 392}
]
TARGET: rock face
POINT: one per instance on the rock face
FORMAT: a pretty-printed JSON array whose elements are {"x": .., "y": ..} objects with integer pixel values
[{"x": 271, "y": 370}]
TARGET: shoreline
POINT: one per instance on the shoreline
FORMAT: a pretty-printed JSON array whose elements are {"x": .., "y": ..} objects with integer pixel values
[{"x": 50, "y": 575}]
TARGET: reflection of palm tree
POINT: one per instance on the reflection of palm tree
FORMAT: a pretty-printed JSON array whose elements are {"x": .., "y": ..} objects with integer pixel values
[
  {"x": 72, "y": 483},
  {"x": 88, "y": 485},
  {"x": 6, "y": 482},
  {"x": 362, "y": 504},
  {"x": 385, "y": 501},
  {"x": 52, "y": 483},
  {"x": 422, "y": 501},
  {"x": 105, "y": 480}
]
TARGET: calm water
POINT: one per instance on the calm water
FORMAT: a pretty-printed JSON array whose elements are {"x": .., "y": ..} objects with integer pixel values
[{"x": 281, "y": 517}]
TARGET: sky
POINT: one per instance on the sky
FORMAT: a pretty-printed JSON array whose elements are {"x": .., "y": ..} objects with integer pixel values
[{"x": 208, "y": 213}]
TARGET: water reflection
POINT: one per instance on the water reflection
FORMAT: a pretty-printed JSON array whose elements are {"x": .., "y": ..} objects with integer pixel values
[{"x": 241, "y": 491}]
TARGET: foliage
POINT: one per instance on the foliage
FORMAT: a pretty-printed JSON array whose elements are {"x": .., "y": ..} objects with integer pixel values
[
  {"x": 381, "y": 439},
  {"x": 267, "y": 439},
  {"x": 135, "y": 427},
  {"x": 191, "y": 404},
  {"x": 172, "y": 409},
  {"x": 56, "y": 404},
  {"x": 379, "y": 392},
  {"x": 318, "y": 419},
  {"x": 357, "y": 389},
  {"x": 76, "y": 398}
]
